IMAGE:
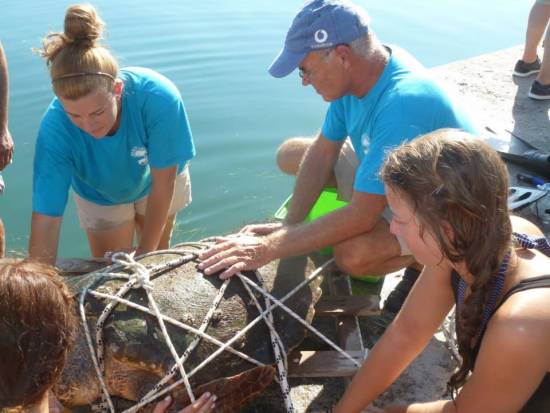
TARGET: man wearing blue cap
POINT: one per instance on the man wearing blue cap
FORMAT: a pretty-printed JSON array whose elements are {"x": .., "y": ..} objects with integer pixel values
[{"x": 379, "y": 97}]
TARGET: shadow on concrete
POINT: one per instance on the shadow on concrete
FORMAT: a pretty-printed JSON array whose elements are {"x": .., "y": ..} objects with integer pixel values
[{"x": 531, "y": 120}]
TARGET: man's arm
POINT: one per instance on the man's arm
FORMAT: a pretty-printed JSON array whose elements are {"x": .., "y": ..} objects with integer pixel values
[
  {"x": 234, "y": 255},
  {"x": 314, "y": 171},
  {"x": 313, "y": 174},
  {"x": 6, "y": 141},
  {"x": 358, "y": 217},
  {"x": 44, "y": 237}
]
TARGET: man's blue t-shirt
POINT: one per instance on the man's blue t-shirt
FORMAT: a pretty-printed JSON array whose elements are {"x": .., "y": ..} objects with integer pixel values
[
  {"x": 404, "y": 103},
  {"x": 154, "y": 132}
]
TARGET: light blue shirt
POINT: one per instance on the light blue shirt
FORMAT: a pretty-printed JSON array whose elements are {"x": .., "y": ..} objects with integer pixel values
[
  {"x": 154, "y": 132},
  {"x": 404, "y": 103}
]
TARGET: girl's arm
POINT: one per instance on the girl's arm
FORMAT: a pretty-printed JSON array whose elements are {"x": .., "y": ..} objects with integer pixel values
[
  {"x": 428, "y": 303},
  {"x": 44, "y": 237},
  {"x": 513, "y": 357},
  {"x": 158, "y": 204},
  {"x": 512, "y": 361}
]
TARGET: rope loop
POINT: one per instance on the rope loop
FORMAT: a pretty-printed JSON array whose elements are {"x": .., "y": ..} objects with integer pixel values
[{"x": 140, "y": 276}]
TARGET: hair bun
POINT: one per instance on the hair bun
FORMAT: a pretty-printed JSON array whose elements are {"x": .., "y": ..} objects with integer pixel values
[{"x": 83, "y": 26}]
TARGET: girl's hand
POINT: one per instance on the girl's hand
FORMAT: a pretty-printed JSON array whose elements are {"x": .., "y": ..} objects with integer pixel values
[{"x": 203, "y": 404}]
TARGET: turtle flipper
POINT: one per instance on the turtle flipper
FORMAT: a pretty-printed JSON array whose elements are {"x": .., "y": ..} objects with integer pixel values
[{"x": 232, "y": 392}]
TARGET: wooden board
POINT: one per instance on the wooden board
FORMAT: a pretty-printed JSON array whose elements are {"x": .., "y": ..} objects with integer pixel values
[
  {"x": 338, "y": 302},
  {"x": 348, "y": 305},
  {"x": 349, "y": 334},
  {"x": 322, "y": 363}
]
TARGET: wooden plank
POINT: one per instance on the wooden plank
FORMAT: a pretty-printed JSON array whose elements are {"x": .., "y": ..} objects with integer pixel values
[
  {"x": 322, "y": 364},
  {"x": 348, "y": 305},
  {"x": 349, "y": 334}
]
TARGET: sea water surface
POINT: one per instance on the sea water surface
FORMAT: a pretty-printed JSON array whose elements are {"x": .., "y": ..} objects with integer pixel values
[{"x": 217, "y": 53}]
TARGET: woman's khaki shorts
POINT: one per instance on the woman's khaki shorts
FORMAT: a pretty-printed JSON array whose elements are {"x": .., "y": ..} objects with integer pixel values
[
  {"x": 95, "y": 217},
  {"x": 344, "y": 171}
]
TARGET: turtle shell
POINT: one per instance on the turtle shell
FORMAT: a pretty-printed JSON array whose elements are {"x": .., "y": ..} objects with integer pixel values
[{"x": 135, "y": 351}]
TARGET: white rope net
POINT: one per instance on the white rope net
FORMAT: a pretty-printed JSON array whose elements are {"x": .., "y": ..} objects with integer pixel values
[{"x": 139, "y": 276}]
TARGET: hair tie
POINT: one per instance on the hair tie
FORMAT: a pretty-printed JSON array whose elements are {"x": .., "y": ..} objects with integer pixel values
[{"x": 70, "y": 75}]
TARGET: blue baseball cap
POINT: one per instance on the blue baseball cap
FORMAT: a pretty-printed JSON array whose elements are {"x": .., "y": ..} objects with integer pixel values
[{"x": 318, "y": 25}]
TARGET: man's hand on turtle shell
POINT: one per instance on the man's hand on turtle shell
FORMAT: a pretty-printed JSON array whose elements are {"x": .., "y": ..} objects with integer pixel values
[
  {"x": 204, "y": 404},
  {"x": 261, "y": 229},
  {"x": 234, "y": 254}
]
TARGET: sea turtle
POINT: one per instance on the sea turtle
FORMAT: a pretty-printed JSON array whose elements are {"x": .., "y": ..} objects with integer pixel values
[{"x": 135, "y": 352}]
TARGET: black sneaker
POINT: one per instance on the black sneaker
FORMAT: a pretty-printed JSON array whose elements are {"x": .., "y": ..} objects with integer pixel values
[
  {"x": 396, "y": 298},
  {"x": 539, "y": 91},
  {"x": 523, "y": 69}
]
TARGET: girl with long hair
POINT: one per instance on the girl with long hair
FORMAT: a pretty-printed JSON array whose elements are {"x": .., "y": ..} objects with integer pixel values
[{"x": 448, "y": 192}]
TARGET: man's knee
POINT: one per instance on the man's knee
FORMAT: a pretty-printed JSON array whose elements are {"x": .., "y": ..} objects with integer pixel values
[
  {"x": 290, "y": 154},
  {"x": 374, "y": 253},
  {"x": 354, "y": 260}
]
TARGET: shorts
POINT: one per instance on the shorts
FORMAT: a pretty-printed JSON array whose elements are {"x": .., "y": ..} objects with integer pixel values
[
  {"x": 344, "y": 171},
  {"x": 95, "y": 217}
]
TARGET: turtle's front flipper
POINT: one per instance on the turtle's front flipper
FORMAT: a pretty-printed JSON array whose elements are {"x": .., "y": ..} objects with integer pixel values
[{"x": 233, "y": 392}]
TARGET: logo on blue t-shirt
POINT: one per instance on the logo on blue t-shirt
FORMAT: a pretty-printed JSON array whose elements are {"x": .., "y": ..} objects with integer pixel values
[
  {"x": 365, "y": 142},
  {"x": 140, "y": 152}
]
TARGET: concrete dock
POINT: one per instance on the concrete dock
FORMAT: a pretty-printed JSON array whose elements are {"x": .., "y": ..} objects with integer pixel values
[{"x": 499, "y": 99}]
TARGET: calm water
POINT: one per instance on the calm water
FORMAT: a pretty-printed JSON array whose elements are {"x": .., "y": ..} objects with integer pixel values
[{"x": 217, "y": 53}]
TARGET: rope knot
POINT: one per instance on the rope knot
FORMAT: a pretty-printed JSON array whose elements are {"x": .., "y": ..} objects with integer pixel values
[{"x": 140, "y": 277}]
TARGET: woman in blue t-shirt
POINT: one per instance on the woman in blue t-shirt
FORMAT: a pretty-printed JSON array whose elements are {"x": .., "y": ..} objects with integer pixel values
[{"x": 119, "y": 138}]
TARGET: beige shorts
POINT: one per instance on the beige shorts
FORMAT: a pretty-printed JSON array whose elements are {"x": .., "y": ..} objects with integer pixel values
[
  {"x": 344, "y": 171},
  {"x": 95, "y": 217}
]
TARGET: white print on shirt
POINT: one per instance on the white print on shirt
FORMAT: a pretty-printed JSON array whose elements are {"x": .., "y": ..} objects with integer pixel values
[
  {"x": 365, "y": 143},
  {"x": 141, "y": 153}
]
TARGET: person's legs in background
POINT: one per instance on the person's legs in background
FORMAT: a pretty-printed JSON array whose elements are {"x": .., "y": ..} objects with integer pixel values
[
  {"x": 538, "y": 19},
  {"x": 540, "y": 89},
  {"x": 530, "y": 62}
]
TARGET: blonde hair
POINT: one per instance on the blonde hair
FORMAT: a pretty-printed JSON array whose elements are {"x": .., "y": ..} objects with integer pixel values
[{"x": 78, "y": 63}]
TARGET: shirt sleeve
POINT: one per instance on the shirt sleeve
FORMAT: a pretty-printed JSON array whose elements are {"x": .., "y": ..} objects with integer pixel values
[
  {"x": 392, "y": 127},
  {"x": 334, "y": 126},
  {"x": 52, "y": 172},
  {"x": 170, "y": 141}
]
